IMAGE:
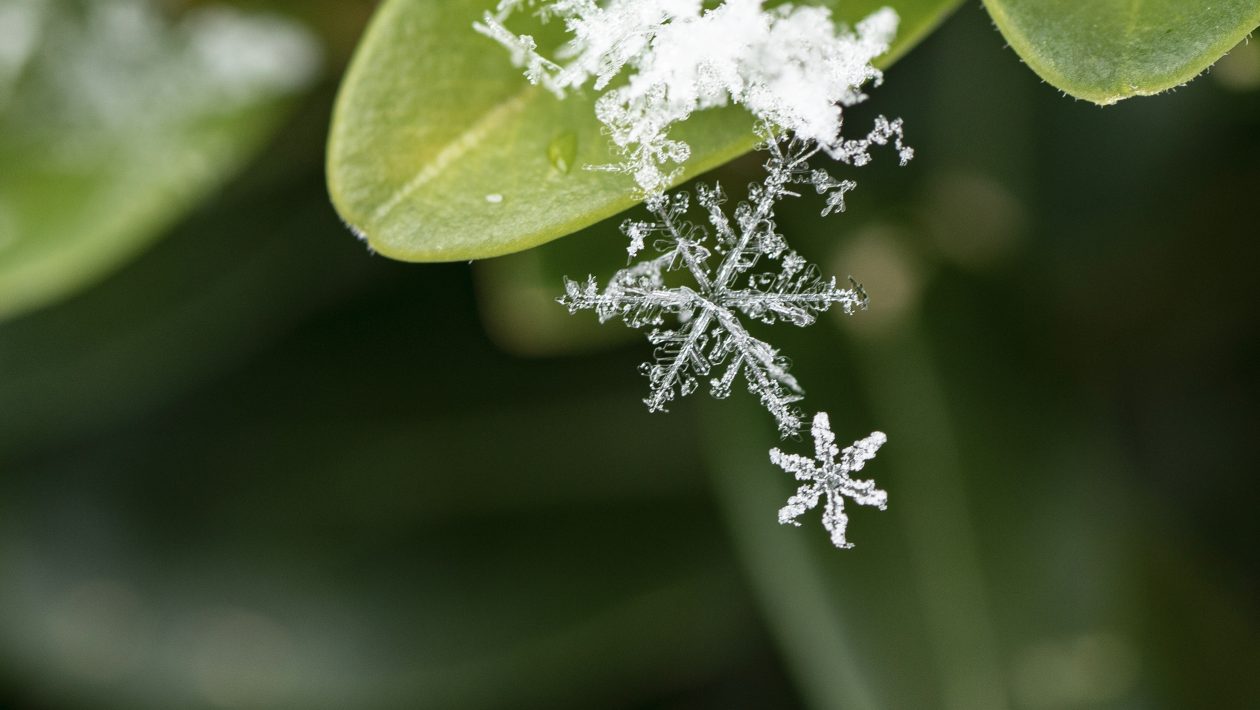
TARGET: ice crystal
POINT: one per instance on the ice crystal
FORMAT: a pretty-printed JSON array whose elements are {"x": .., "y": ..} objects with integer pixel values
[
  {"x": 656, "y": 62},
  {"x": 826, "y": 477},
  {"x": 719, "y": 260},
  {"x": 790, "y": 66}
]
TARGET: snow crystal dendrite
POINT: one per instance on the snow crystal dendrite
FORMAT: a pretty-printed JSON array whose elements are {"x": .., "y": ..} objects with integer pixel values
[
  {"x": 790, "y": 66},
  {"x": 826, "y": 477},
  {"x": 724, "y": 291}
]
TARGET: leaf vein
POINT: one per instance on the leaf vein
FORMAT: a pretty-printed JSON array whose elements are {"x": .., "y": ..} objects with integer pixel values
[{"x": 456, "y": 149}]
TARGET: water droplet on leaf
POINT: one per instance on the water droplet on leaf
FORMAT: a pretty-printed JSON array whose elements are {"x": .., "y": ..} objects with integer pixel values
[{"x": 562, "y": 152}]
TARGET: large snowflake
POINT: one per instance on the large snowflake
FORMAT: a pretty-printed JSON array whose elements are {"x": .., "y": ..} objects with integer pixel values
[
  {"x": 824, "y": 476},
  {"x": 710, "y": 337}
]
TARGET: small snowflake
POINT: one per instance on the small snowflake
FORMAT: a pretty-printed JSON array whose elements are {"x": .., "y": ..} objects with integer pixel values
[
  {"x": 710, "y": 333},
  {"x": 825, "y": 476}
]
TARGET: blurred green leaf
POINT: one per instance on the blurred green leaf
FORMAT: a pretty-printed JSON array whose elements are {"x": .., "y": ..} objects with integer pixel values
[
  {"x": 114, "y": 122},
  {"x": 225, "y": 283},
  {"x": 338, "y": 23},
  {"x": 433, "y": 118},
  {"x": 330, "y": 554},
  {"x": 1107, "y": 50}
]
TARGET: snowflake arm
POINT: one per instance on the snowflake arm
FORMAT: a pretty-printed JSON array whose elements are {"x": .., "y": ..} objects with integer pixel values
[
  {"x": 829, "y": 478},
  {"x": 797, "y": 295},
  {"x": 635, "y": 302},
  {"x": 765, "y": 370},
  {"x": 522, "y": 49},
  {"x": 680, "y": 361}
]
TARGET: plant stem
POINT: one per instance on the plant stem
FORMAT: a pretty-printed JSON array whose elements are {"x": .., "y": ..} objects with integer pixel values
[
  {"x": 907, "y": 399},
  {"x": 793, "y": 594}
]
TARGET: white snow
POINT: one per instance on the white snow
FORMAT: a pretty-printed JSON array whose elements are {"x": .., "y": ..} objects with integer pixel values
[{"x": 791, "y": 66}]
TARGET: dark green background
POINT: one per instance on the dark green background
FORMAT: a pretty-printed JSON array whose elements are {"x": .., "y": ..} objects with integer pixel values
[{"x": 259, "y": 467}]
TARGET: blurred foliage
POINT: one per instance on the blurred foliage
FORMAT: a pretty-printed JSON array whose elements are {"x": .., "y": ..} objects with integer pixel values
[
  {"x": 258, "y": 467},
  {"x": 115, "y": 120}
]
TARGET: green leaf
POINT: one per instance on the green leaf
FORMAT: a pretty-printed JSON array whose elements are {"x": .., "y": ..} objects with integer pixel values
[
  {"x": 1107, "y": 50},
  {"x": 433, "y": 120},
  {"x": 113, "y": 123}
]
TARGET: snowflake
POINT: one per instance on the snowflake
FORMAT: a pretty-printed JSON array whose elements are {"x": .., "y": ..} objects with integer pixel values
[
  {"x": 710, "y": 334},
  {"x": 790, "y": 66},
  {"x": 825, "y": 476}
]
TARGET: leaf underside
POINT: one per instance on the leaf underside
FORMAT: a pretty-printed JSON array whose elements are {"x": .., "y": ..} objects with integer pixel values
[
  {"x": 441, "y": 151},
  {"x": 1107, "y": 50}
]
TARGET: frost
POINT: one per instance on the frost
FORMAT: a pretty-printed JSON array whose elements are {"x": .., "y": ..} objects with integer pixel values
[
  {"x": 824, "y": 476},
  {"x": 710, "y": 335},
  {"x": 791, "y": 67}
]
